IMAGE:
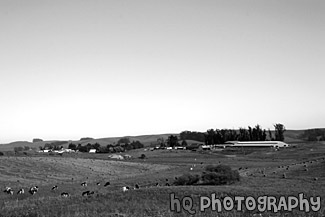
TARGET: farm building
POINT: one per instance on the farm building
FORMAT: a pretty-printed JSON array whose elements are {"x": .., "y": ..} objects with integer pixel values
[
  {"x": 92, "y": 150},
  {"x": 257, "y": 144},
  {"x": 116, "y": 156}
]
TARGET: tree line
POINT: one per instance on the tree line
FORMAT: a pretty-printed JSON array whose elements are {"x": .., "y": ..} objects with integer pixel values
[
  {"x": 122, "y": 145},
  {"x": 220, "y": 136}
]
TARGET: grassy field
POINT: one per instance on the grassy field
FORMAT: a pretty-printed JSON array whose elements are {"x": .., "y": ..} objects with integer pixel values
[{"x": 261, "y": 173}]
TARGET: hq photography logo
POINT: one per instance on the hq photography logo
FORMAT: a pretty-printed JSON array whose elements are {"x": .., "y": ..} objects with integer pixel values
[{"x": 241, "y": 203}]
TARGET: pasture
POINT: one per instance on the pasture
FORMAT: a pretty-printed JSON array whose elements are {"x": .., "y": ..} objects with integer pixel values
[{"x": 262, "y": 173}]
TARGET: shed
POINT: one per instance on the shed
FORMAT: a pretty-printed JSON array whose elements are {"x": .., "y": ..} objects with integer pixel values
[
  {"x": 116, "y": 156},
  {"x": 92, "y": 150}
]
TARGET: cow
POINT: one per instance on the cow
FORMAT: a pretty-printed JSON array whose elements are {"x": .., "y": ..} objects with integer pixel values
[
  {"x": 136, "y": 187},
  {"x": 87, "y": 193},
  {"x": 55, "y": 187},
  {"x": 125, "y": 188},
  {"x": 21, "y": 191},
  {"x": 8, "y": 190},
  {"x": 65, "y": 194},
  {"x": 84, "y": 184},
  {"x": 33, "y": 190},
  {"x": 107, "y": 184}
]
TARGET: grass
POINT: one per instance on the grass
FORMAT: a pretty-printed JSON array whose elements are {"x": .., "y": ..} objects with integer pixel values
[{"x": 160, "y": 165}]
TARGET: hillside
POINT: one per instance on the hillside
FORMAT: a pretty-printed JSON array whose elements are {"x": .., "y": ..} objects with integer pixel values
[
  {"x": 144, "y": 139},
  {"x": 291, "y": 136}
]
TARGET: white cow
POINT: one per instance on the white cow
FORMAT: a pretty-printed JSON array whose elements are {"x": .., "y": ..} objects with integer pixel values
[{"x": 125, "y": 188}]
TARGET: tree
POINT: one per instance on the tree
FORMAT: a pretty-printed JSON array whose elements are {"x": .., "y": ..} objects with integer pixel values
[
  {"x": 270, "y": 135},
  {"x": 37, "y": 140},
  {"x": 279, "y": 132},
  {"x": 125, "y": 140},
  {"x": 184, "y": 143},
  {"x": 72, "y": 146},
  {"x": 210, "y": 136},
  {"x": 161, "y": 142},
  {"x": 243, "y": 134},
  {"x": 172, "y": 141}
]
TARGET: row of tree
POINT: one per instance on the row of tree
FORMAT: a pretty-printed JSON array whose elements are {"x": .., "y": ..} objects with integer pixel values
[
  {"x": 221, "y": 136},
  {"x": 122, "y": 145}
]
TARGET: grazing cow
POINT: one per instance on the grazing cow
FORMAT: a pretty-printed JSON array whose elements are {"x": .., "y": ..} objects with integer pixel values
[
  {"x": 65, "y": 194},
  {"x": 8, "y": 190},
  {"x": 107, "y": 184},
  {"x": 84, "y": 184},
  {"x": 55, "y": 187},
  {"x": 33, "y": 190},
  {"x": 157, "y": 184},
  {"x": 167, "y": 184},
  {"x": 98, "y": 183},
  {"x": 125, "y": 188},
  {"x": 284, "y": 176},
  {"x": 88, "y": 193},
  {"x": 21, "y": 191},
  {"x": 136, "y": 187},
  {"x": 315, "y": 179}
]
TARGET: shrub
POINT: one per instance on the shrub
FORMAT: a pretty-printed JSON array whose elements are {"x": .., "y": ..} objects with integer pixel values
[
  {"x": 1, "y": 153},
  {"x": 219, "y": 175},
  {"x": 143, "y": 156},
  {"x": 18, "y": 149},
  {"x": 213, "y": 175},
  {"x": 187, "y": 179}
]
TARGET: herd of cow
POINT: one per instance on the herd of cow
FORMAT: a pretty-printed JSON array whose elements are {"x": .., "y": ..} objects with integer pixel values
[{"x": 34, "y": 189}]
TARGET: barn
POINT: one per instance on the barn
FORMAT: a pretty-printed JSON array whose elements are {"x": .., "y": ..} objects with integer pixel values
[
  {"x": 116, "y": 156},
  {"x": 257, "y": 144}
]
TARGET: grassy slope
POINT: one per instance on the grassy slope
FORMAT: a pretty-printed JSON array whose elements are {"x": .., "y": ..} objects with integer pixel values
[
  {"x": 154, "y": 201},
  {"x": 144, "y": 139},
  {"x": 291, "y": 136}
]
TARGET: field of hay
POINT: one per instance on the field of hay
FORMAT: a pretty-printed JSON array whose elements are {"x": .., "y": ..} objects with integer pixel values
[{"x": 261, "y": 171}]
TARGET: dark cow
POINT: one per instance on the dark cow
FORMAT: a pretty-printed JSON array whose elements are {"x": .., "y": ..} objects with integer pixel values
[
  {"x": 87, "y": 193},
  {"x": 8, "y": 190},
  {"x": 21, "y": 191},
  {"x": 107, "y": 184},
  {"x": 33, "y": 190}
]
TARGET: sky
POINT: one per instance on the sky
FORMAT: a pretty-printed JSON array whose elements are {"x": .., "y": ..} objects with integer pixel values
[{"x": 106, "y": 68}]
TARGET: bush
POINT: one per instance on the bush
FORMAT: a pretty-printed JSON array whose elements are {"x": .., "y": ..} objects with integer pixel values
[
  {"x": 18, "y": 149},
  {"x": 213, "y": 175},
  {"x": 219, "y": 175},
  {"x": 187, "y": 179},
  {"x": 143, "y": 156},
  {"x": 1, "y": 153}
]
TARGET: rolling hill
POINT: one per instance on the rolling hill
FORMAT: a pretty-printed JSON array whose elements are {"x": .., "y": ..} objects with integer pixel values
[{"x": 291, "y": 136}]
